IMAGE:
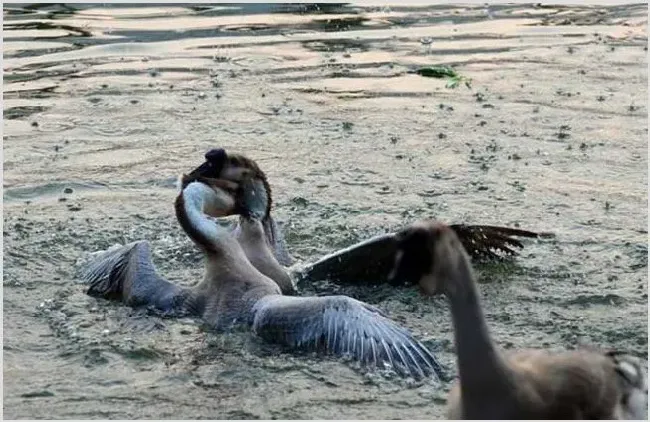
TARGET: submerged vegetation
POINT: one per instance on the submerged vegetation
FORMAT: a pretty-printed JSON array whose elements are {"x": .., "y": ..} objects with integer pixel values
[{"x": 453, "y": 78}]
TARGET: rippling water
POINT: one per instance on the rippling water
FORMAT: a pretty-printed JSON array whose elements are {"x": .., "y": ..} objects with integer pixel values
[{"x": 105, "y": 105}]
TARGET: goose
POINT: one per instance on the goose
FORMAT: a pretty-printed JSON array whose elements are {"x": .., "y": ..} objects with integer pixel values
[
  {"x": 243, "y": 280},
  {"x": 525, "y": 384}
]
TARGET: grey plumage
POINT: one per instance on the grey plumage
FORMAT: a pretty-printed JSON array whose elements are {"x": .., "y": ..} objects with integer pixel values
[
  {"x": 343, "y": 326},
  {"x": 128, "y": 274},
  {"x": 338, "y": 325}
]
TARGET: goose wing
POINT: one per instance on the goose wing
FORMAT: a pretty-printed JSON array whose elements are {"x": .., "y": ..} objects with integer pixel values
[
  {"x": 367, "y": 261},
  {"x": 490, "y": 242},
  {"x": 128, "y": 274},
  {"x": 371, "y": 260},
  {"x": 343, "y": 326}
]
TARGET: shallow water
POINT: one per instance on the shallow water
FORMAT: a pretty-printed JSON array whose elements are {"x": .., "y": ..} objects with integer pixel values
[{"x": 115, "y": 102}]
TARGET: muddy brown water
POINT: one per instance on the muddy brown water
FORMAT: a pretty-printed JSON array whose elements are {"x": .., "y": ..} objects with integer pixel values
[{"x": 105, "y": 106}]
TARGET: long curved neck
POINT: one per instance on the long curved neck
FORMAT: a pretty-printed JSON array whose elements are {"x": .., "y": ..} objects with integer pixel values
[
  {"x": 480, "y": 364},
  {"x": 276, "y": 240},
  {"x": 189, "y": 206},
  {"x": 256, "y": 206},
  {"x": 262, "y": 254},
  {"x": 226, "y": 263}
]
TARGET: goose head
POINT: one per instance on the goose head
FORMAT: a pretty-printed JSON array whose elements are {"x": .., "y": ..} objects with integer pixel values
[
  {"x": 238, "y": 175},
  {"x": 432, "y": 253}
]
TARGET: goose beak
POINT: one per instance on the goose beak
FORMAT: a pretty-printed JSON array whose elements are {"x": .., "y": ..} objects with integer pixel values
[{"x": 204, "y": 170}]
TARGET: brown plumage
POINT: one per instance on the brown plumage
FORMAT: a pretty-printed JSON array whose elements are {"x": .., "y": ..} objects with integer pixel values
[
  {"x": 240, "y": 161},
  {"x": 527, "y": 384},
  {"x": 220, "y": 166},
  {"x": 227, "y": 171},
  {"x": 252, "y": 204}
]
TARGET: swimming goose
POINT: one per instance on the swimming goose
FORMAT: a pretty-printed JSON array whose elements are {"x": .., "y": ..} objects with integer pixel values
[
  {"x": 526, "y": 384},
  {"x": 235, "y": 291}
]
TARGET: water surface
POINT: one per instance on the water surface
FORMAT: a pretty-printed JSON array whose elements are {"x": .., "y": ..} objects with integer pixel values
[{"x": 115, "y": 101}]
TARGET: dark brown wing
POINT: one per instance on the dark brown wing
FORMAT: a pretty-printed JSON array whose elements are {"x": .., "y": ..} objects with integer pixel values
[
  {"x": 371, "y": 260},
  {"x": 490, "y": 242},
  {"x": 367, "y": 261}
]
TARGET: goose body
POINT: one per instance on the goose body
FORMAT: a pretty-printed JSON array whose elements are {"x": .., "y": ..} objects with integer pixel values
[{"x": 527, "y": 384}]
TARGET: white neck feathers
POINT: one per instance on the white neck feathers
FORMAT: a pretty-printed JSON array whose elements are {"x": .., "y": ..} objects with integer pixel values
[{"x": 199, "y": 198}]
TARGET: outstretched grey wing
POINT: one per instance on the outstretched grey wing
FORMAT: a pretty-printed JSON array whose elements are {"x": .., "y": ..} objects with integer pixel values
[
  {"x": 128, "y": 274},
  {"x": 344, "y": 327},
  {"x": 371, "y": 260}
]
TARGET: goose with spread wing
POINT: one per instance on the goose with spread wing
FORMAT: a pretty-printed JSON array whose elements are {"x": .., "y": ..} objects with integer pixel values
[
  {"x": 521, "y": 384},
  {"x": 244, "y": 282}
]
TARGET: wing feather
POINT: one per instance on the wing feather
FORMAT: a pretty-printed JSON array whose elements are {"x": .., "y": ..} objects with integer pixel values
[
  {"x": 128, "y": 274},
  {"x": 485, "y": 242},
  {"x": 371, "y": 260},
  {"x": 343, "y": 326}
]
